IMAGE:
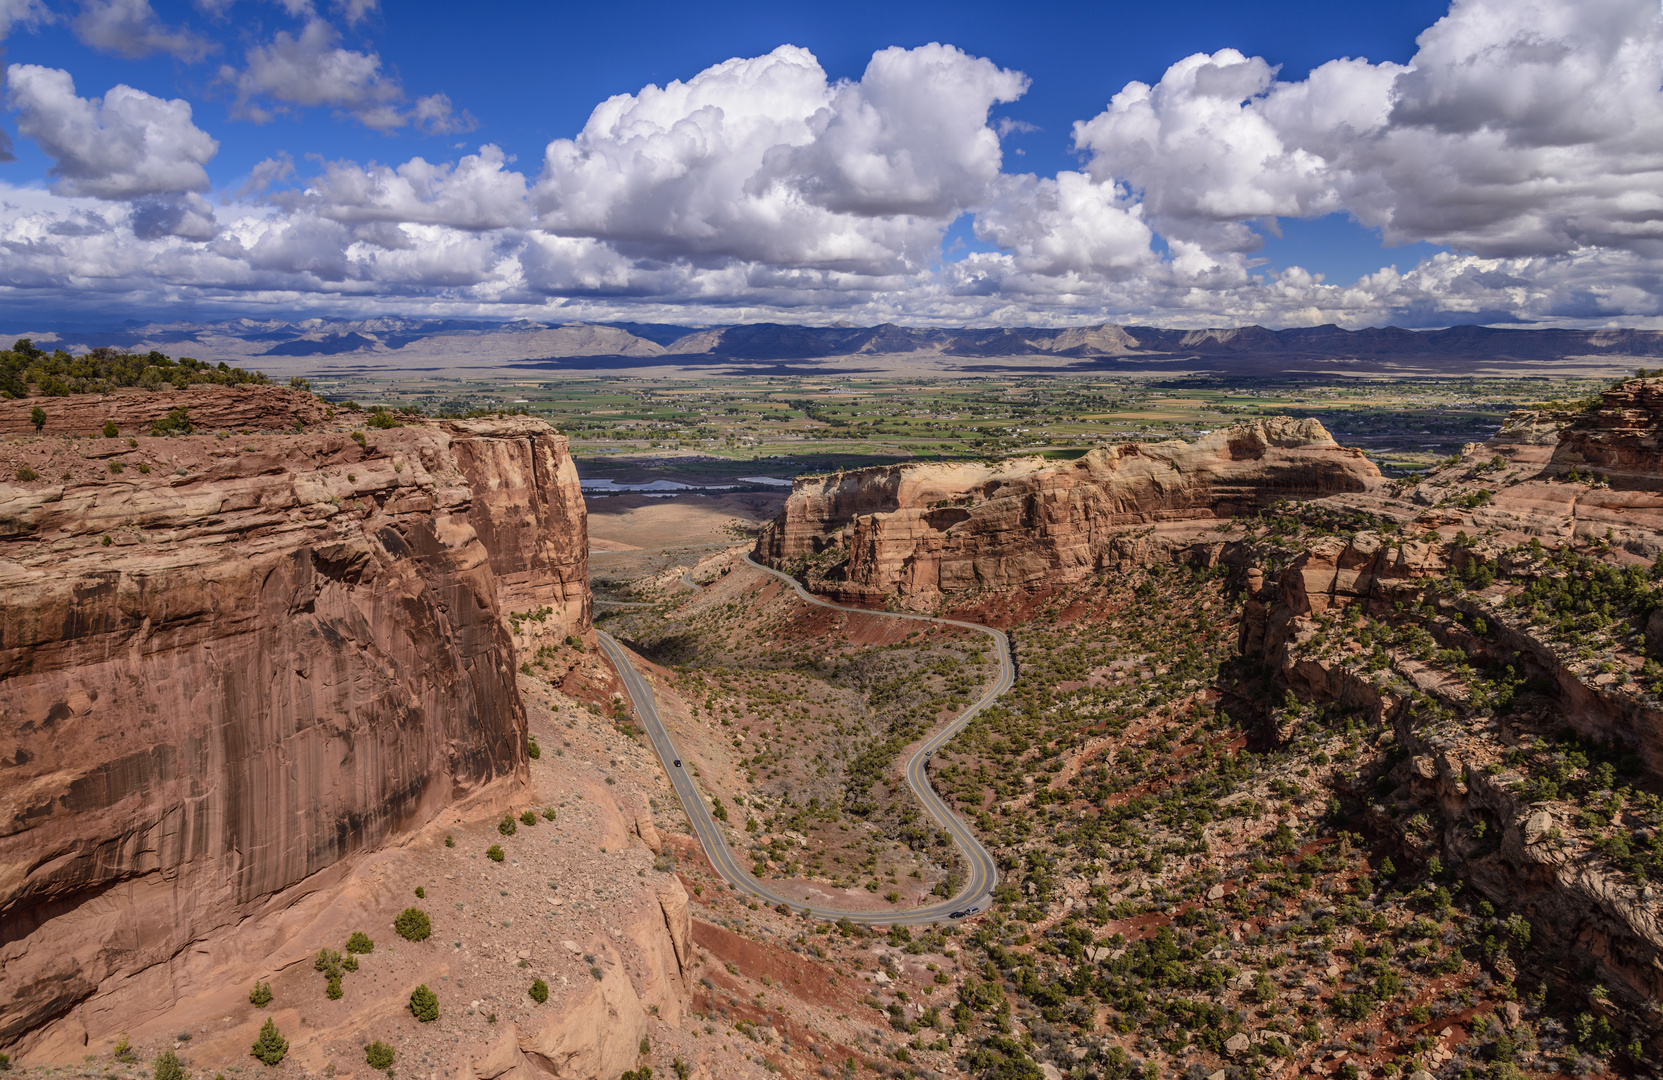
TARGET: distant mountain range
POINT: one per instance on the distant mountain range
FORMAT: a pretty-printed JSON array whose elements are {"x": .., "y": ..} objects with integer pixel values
[{"x": 390, "y": 345}]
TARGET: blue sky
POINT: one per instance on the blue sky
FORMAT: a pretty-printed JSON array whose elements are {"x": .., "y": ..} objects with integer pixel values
[{"x": 1190, "y": 205}]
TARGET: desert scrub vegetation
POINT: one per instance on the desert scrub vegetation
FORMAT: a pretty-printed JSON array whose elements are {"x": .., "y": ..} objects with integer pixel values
[
  {"x": 58, "y": 374},
  {"x": 270, "y": 1047},
  {"x": 378, "y": 1055},
  {"x": 413, "y": 924},
  {"x": 424, "y": 1004},
  {"x": 260, "y": 996}
]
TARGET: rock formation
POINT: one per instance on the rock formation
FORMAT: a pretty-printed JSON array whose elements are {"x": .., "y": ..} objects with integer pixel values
[
  {"x": 230, "y": 662},
  {"x": 232, "y": 408},
  {"x": 924, "y": 530}
]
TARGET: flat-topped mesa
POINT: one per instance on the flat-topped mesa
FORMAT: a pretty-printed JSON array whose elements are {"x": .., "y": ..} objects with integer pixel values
[
  {"x": 230, "y": 662},
  {"x": 1621, "y": 441},
  {"x": 921, "y": 530}
]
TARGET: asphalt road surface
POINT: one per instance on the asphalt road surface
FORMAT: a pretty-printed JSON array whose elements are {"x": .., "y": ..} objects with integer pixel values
[{"x": 984, "y": 873}]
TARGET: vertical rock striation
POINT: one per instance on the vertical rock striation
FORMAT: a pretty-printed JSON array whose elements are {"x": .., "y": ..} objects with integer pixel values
[{"x": 222, "y": 677}]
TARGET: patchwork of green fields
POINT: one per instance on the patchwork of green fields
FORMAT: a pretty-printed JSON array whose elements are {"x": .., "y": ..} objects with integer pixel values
[{"x": 714, "y": 428}]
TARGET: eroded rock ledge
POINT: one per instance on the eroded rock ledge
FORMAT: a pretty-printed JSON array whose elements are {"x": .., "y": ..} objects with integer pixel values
[
  {"x": 925, "y": 530},
  {"x": 243, "y": 659}
]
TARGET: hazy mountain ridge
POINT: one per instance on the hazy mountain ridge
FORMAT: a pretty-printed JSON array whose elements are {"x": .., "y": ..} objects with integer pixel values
[{"x": 381, "y": 342}]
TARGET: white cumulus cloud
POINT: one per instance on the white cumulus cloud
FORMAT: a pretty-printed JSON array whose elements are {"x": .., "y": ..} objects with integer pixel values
[
  {"x": 1518, "y": 128},
  {"x": 121, "y": 146}
]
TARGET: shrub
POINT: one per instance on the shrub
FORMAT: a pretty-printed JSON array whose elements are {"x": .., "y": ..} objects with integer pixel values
[
  {"x": 379, "y": 1055},
  {"x": 328, "y": 961},
  {"x": 116, "y": 468},
  {"x": 349, "y": 964},
  {"x": 168, "y": 1067},
  {"x": 421, "y": 893},
  {"x": 176, "y": 422},
  {"x": 532, "y": 750},
  {"x": 529, "y": 817},
  {"x": 37, "y": 417},
  {"x": 507, "y": 827},
  {"x": 413, "y": 924},
  {"x": 333, "y": 991},
  {"x": 539, "y": 991},
  {"x": 271, "y": 1046},
  {"x": 260, "y": 995},
  {"x": 124, "y": 1052},
  {"x": 26, "y": 474},
  {"x": 494, "y": 853},
  {"x": 5, "y": 1062},
  {"x": 548, "y": 813},
  {"x": 380, "y": 418},
  {"x": 360, "y": 942},
  {"x": 110, "y": 432},
  {"x": 450, "y": 841},
  {"x": 358, "y": 437},
  {"x": 424, "y": 1004}
]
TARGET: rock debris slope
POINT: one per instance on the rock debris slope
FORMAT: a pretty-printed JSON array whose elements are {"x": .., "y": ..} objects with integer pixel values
[{"x": 229, "y": 662}]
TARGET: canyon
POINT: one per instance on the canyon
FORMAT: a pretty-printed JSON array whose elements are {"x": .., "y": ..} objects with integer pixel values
[{"x": 235, "y": 663}]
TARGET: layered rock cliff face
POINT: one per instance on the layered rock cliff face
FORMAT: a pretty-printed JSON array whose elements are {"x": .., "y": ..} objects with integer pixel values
[
  {"x": 232, "y": 408},
  {"x": 925, "y": 530},
  {"x": 243, "y": 659}
]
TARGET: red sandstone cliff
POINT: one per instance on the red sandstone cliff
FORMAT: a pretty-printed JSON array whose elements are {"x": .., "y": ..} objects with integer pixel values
[
  {"x": 242, "y": 660},
  {"x": 924, "y": 530}
]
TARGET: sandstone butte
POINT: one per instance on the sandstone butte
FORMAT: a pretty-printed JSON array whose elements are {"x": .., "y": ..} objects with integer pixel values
[
  {"x": 947, "y": 536},
  {"x": 242, "y": 661},
  {"x": 920, "y": 531}
]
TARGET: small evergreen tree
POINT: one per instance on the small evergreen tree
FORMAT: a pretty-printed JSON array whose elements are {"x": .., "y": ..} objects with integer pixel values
[
  {"x": 379, "y": 1055},
  {"x": 260, "y": 995},
  {"x": 424, "y": 1004},
  {"x": 360, "y": 942},
  {"x": 539, "y": 991},
  {"x": 168, "y": 1067},
  {"x": 271, "y": 1046},
  {"x": 37, "y": 417},
  {"x": 413, "y": 924}
]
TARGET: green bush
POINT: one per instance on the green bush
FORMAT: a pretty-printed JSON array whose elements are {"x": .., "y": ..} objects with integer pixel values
[
  {"x": 328, "y": 961},
  {"x": 350, "y": 963},
  {"x": 124, "y": 1051},
  {"x": 424, "y": 1004},
  {"x": 539, "y": 991},
  {"x": 333, "y": 991},
  {"x": 176, "y": 422},
  {"x": 26, "y": 474},
  {"x": 110, "y": 432},
  {"x": 494, "y": 853},
  {"x": 379, "y": 1055},
  {"x": 413, "y": 924},
  {"x": 529, "y": 817},
  {"x": 532, "y": 750},
  {"x": 548, "y": 813},
  {"x": 260, "y": 995},
  {"x": 382, "y": 419},
  {"x": 360, "y": 942},
  {"x": 168, "y": 1067},
  {"x": 507, "y": 827},
  {"x": 421, "y": 893},
  {"x": 271, "y": 1046},
  {"x": 450, "y": 841},
  {"x": 37, "y": 417},
  {"x": 5, "y": 1062}
]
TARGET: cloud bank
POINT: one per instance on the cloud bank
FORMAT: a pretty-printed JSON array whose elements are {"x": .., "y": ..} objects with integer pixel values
[{"x": 1524, "y": 137}]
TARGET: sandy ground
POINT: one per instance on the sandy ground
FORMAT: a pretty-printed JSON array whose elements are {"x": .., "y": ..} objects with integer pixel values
[{"x": 636, "y": 522}]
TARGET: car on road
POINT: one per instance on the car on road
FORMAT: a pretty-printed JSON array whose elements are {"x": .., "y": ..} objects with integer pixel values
[
  {"x": 677, "y": 763},
  {"x": 961, "y": 914}
]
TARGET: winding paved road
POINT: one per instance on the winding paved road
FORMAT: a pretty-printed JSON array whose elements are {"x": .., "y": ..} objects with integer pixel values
[{"x": 984, "y": 872}]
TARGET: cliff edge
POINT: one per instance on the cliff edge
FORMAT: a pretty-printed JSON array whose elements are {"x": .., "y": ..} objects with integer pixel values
[
  {"x": 230, "y": 662},
  {"x": 929, "y": 529}
]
